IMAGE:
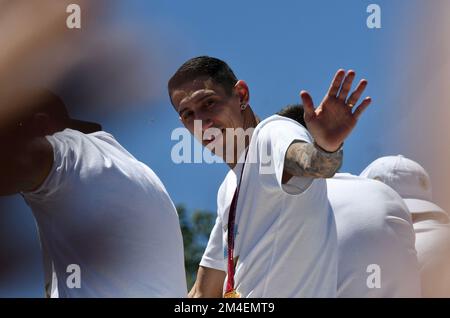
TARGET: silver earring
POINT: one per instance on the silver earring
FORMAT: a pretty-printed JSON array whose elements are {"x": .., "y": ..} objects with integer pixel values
[{"x": 244, "y": 106}]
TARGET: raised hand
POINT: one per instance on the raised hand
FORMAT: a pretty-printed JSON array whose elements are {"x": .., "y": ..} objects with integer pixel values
[{"x": 334, "y": 119}]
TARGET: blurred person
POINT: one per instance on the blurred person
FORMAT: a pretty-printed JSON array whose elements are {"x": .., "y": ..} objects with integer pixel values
[
  {"x": 373, "y": 227},
  {"x": 431, "y": 223},
  {"x": 274, "y": 230},
  {"x": 97, "y": 68},
  {"x": 102, "y": 68},
  {"x": 95, "y": 205}
]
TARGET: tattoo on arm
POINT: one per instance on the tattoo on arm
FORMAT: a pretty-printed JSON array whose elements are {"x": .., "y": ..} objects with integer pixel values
[{"x": 308, "y": 160}]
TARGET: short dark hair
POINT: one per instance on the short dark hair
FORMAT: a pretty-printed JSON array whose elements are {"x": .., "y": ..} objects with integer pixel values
[
  {"x": 295, "y": 112},
  {"x": 211, "y": 67}
]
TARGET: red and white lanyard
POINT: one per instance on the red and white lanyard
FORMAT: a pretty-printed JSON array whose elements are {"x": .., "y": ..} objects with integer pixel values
[{"x": 230, "y": 291}]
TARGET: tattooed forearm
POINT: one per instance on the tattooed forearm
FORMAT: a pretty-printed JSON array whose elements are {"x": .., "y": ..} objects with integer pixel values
[{"x": 307, "y": 160}]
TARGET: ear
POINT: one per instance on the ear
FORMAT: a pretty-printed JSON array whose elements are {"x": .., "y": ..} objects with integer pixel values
[{"x": 242, "y": 92}]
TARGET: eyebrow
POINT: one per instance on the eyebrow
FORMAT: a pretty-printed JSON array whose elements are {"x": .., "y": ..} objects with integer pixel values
[{"x": 198, "y": 99}]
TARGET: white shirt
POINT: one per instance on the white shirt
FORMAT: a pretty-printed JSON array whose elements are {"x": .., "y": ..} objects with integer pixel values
[
  {"x": 433, "y": 250},
  {"x": 108, "y": 213},
  {"x": 285, "y": 244},
  {"x": 373, "y": 227}
]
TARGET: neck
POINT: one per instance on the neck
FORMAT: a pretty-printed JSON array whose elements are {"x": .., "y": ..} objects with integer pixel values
[{"x": 250, "y": 122}]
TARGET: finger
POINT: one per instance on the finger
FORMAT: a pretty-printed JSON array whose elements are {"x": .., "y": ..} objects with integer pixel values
[
  {"x": 347, "y": 85},
  {"x": 336, "y": 83},
  {"x": 362, "y": 107},
  {"x": 308, "y": 105},
  {"x": 353, "y": 99}
]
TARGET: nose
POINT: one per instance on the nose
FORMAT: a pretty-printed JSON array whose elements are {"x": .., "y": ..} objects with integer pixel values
[{"x": 206, "y": 121}]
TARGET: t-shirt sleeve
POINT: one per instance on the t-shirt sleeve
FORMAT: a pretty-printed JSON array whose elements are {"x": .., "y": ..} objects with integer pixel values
[
  {"x": 274, "y": 139},
  {"x": 214, "y": 253},
  {"x": 67, "y": 162}
]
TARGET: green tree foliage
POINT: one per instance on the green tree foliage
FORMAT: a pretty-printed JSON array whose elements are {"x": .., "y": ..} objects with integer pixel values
[{"x": 196, "y": 228}]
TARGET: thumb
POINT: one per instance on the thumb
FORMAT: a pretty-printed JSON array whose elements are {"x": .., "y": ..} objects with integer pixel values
[{"x": 308, "y": 105}]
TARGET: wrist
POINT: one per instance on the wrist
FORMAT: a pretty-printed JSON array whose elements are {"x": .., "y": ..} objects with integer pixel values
[{"x": 328, "y": 150}]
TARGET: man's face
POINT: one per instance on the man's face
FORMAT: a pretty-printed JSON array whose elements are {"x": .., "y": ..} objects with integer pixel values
[{"x": 204, "y": 100}]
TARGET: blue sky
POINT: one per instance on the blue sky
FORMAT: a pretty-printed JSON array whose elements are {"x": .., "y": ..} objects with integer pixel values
[{"x": 278, "y": 48}]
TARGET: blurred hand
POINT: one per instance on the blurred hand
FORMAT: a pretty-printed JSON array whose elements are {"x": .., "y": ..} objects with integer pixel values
[{"x": 103, "y": 68}]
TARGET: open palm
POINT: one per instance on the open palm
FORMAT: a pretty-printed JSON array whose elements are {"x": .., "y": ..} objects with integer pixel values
[{"x": 334, "y": 119}]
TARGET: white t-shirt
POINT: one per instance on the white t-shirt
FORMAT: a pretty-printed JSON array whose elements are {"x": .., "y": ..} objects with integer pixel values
[
  {"x": 285, "y": 244},
  {"x": 433, "y": 251},
  {"x": 106, "y": 212},
  {"x": 375, "y": 239}
]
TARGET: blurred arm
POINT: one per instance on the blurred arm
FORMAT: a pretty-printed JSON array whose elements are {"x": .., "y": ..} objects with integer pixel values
[{"x": 209, "y": 283}]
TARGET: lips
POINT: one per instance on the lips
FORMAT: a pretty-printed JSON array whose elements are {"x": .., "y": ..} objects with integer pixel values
[
  {"x": 207, "y": 141},
  {"x": 211, "y": 138}
]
